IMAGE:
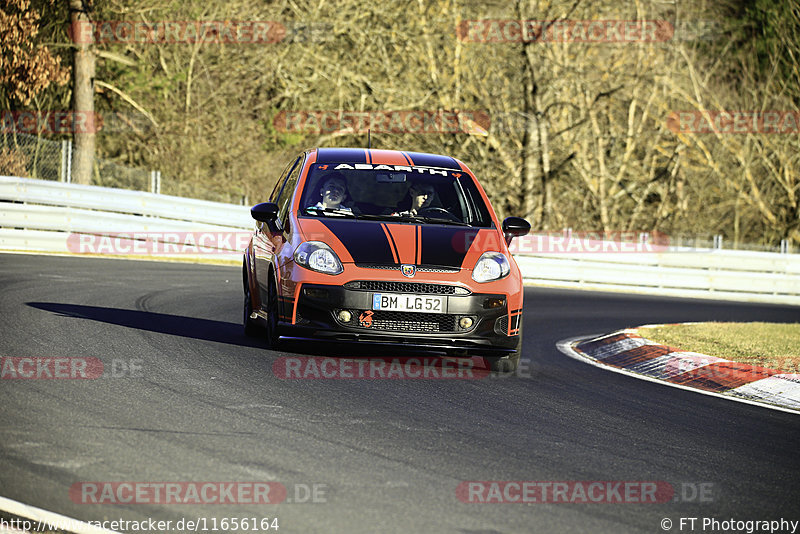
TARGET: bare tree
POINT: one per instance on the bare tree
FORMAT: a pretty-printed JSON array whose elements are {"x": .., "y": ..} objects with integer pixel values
[{"x": 83, "y": 73}]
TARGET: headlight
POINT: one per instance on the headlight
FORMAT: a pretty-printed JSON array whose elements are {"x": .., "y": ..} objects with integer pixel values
[
  {"x": 318, "y": 256},
  {"x": 491, "y": 266}
]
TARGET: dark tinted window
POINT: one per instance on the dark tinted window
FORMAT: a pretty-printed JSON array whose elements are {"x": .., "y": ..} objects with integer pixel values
[
  {"x": 394, "y": 191},
  {"x": 276, "y": 191},
  {"x": 287, "y": 192}
]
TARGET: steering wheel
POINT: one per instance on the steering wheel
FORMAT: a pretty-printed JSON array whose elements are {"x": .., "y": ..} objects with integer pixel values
[{"x": 437, "y": 212}]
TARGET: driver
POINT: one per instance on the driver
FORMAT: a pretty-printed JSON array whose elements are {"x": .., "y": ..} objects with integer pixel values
[
  {"x": 333, "y": 192},
  {"x": 421, "y": 197}
]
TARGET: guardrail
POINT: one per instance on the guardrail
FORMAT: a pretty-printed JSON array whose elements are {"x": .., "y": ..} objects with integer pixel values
[
  {"x": 722, "y": 274},
  {"x": 46, "y": 216}
]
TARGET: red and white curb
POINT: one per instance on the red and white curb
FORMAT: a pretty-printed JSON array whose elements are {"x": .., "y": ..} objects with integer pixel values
[{"x": 629, "y": 353}]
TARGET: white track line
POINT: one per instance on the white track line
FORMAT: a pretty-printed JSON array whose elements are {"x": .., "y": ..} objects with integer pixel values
[
  {"x": 565, "y": 346},
  {"x": 50, "y": 520}
]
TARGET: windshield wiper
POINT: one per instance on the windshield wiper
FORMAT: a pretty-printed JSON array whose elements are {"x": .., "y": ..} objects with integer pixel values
[
  {"x": 340, "y": 212},
  {"x": 410, "y": 218},
  {"x": 444, "y": 221},
  {"x": 388, "y": 218},
  {"x": 433, "y": 220}
]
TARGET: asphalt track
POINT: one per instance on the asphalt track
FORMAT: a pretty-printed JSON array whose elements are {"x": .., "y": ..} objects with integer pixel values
[{"x": 388, "y": 454}]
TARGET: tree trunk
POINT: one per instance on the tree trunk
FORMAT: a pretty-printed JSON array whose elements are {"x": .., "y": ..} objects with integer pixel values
[
  {"x": 547, "y": 186},
  {"x": 531, "y": 164},
  {"x": 530, "y": 170},
  {"x": 82, "y": 95}
]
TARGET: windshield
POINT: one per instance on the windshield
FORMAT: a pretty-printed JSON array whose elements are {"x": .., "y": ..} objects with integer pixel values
[{"x": 400, "y": 193}]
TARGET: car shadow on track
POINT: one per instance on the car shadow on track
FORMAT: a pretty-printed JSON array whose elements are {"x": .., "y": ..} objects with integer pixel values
[
  {"x": 162, "y": 323},
  {"x": 222, "y": 332}
]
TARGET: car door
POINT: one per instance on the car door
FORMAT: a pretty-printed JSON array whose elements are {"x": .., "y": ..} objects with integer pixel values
[{"x": 269, "y": 238}]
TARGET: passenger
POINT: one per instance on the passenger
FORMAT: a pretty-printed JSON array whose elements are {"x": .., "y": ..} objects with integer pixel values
[{"x": 333, "y": 192}]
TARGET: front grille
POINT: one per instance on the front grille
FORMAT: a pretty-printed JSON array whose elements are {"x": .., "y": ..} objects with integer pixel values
[
  {"x": 388, "y": 267},
  {"x": 437, "y": 270},
  {"x": 501, "y": 325},
  {"x": 413, "y": 322},
  {"x": 407, "y": 287},
  {"x": 394, "y": 321},
  {"x": 420, "y": 269}
]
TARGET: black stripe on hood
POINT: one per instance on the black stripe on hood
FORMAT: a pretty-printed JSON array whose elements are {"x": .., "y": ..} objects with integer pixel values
[
  {"x": 445, "y": 246},
  {"x": 365, "y": 240}
]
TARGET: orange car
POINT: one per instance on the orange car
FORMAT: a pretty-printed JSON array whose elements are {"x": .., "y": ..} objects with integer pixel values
[{"x": 384, "y": 247}]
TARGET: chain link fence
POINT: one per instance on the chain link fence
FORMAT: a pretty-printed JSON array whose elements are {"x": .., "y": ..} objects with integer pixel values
[{"x": 30, "y": 156}]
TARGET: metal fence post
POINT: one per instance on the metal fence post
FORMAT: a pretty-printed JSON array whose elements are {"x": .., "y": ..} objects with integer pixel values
[
  {"x": 66, "y": 161},
  {"x": 155, "y": 182},
  {"x": 63, "y": 174}
]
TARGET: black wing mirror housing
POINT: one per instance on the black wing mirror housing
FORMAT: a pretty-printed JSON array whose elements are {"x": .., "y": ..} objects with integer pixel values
[
  {"x": 515, "y": 227},
  {"x": 265, "y": 212}
]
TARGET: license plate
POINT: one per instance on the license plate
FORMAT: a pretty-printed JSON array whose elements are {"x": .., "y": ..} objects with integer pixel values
[{"x": 407, "y": 303}]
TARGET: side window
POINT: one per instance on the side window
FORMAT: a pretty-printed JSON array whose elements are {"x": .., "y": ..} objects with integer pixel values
[
  {"x": 278, "y": 184},
  {"x": 285, "y": 196}
]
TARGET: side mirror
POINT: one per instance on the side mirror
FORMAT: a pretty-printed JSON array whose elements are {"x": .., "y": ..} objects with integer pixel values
[
  {"x": 515, "y": 227},
  {"x": 265, "y": 212}
]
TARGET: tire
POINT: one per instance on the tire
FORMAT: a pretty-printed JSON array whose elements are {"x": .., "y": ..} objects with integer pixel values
[
  {"x": 507, "y": 364},
  {"x": 272, "y": 334},
  {"x": 251, "y": 326}
]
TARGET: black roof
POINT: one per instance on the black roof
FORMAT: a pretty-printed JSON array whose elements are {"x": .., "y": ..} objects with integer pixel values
[{"x": 363, "y": 155}]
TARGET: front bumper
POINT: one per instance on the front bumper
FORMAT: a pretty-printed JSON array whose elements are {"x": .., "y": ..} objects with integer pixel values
[{"x": 317, "y": 315}]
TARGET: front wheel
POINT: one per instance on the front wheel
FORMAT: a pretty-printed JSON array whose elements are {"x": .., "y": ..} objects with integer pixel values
[
  {"x": 507, "y": 364},
  {"x": 272, "y": 336},
  {"x": 251, "y": 327}
]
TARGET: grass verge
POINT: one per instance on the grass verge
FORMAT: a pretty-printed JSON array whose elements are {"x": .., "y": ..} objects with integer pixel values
[{"x": 773, "y": 345}]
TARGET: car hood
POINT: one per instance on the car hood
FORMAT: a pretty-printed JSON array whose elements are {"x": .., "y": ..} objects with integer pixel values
[{"x": 387, "y": 243}]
